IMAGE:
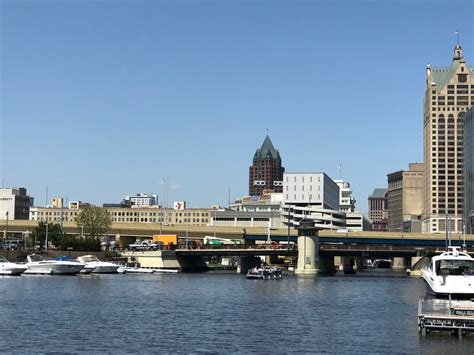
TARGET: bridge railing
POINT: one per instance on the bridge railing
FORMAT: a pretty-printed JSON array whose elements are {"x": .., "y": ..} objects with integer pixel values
[{"x": 385, "y": 247}]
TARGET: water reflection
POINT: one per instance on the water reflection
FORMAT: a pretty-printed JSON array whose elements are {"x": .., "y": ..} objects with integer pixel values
[{"x": 368, "y": 312}]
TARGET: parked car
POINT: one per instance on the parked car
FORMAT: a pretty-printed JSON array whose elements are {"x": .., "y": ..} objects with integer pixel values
[{"x": 144, "y": 245}]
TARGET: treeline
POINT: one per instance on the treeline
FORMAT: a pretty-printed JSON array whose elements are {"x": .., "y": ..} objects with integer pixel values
[{"x": 63, "y": 241}]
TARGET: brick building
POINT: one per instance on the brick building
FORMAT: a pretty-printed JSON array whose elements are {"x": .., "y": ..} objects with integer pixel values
[{"x": 266, "y": 172}]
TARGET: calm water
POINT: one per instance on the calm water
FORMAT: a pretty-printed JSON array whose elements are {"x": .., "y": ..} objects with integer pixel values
[{"x": 373, "y": 312}]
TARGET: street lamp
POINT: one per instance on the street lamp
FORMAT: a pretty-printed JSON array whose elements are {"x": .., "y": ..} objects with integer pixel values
[
  {"x": 46, "y": 239},
  {"x": 215, "y": 216},
  {"x": 187, "y": 227}
]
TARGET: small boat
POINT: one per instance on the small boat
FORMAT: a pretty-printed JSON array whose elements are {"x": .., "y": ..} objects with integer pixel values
[
  {"x": 57, "y": 266},
  {"x": 382, "y": 264},
  {"x": 8, "y": 268},
  {"x": 450, "y": 274},
  {"x": 264, "y": 274},
  {"x": 142, "y": 270},
  {"x": 96, "y": 266}
]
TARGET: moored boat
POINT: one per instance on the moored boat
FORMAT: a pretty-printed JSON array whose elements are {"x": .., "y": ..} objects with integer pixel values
[
  {"x": 142, "y": 270},
  {"x": 450, "y": 274},
  {"x": 9, "y": 268},
  {"x": 97, "y": 266},
  {"x": 58, "y": 266}
]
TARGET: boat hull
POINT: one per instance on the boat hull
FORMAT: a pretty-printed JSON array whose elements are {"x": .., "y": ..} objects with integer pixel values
[
  {"x": 12, "y": 270},
  {"x": 106, "y": 269},
  {"x": 140, "y": 270},
  {"x": 54, "y": 269}
]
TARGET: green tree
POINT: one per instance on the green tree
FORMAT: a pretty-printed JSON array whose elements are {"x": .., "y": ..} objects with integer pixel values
[
  {"x": 77, "y": 243},
  {"x": 55, "y": 233},
  {"x": 95, "y": 220}
]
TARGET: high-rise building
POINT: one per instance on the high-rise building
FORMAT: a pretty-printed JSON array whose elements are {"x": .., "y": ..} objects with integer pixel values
[
  {"x": 346, "y": 200},
  {"x": 469, "y": 171},
  {"x": 449, "y": 94},
  {"x": 266, "y": 172},
  {"x": 378, "y": 210},
  {"x": 314, "y": 196},
  {"x": 15, "y": 203},
  {"x": 405, "y": 199}
]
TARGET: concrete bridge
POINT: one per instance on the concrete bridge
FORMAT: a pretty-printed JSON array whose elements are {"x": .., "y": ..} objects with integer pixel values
[
  {"x": 351, "y": 247},
  {"x": 130, "y": 231}
]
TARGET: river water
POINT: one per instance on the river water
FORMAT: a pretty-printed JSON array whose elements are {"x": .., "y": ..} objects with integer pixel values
[{"x": 216, "y": 312}]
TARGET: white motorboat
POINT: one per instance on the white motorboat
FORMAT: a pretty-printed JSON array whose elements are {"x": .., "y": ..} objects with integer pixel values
[
  {"x": 8, "y": 268},
  {"x": 264, "y": 274},
  {"x": 451, "y": 273},
  {"x": 97, "y": 266},
  {"x": 58, "y": 266},
  {"x": 142, "y": 270}
]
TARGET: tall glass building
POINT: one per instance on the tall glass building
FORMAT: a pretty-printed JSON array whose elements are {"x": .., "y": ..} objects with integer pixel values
[{"x": 469, "y": 171}]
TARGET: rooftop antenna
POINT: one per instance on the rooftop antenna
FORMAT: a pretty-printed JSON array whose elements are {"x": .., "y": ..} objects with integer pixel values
[
  {"x": 340, "y": 171},
  {"x": 266, "y": 129},
  {"x": 457, "y": 35}
]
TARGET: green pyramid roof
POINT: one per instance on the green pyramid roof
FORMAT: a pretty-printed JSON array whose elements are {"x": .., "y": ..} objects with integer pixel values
[
  {"x": 442, "y": 76},
  {"x": 267, "y": 151}
]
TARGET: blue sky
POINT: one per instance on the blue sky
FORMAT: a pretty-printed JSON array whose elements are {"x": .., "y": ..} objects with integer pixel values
[{"x": 100, "y": 99}]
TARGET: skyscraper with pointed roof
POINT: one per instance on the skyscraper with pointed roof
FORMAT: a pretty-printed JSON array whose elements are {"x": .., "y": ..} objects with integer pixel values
[
  {"x": 266, "y": 172},
  {"x": 449, "y": 94}
]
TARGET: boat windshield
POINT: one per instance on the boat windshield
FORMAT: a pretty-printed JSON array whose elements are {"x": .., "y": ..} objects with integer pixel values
[
  {"x": 3, "y": 260},
  {"x": 89, "y": 258},
  {"x": 455, "y": 267},
  {"x": 36, "y": 257}
]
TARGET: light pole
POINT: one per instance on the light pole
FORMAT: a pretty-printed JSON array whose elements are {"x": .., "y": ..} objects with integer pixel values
[
  {"x": 214, "y": 224},
  {"x": 46, "y": 239},
  {"x": 187, "y": 227},
  {"x": 6, "y": 228}
]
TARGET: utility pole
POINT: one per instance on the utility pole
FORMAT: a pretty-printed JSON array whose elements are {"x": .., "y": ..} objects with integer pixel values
[
  {"x": 46, "y": 239},
  {"x": 6, "y": 228},
  {"x": 62, "y": 215},
  {"x": 214, "y": 223},
  {"x": 187, "y": 227},
  {"x": 446, "y": 227}
]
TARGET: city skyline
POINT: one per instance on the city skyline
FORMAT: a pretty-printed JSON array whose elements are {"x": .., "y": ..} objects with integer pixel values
[{"x": 102, "y": 108}]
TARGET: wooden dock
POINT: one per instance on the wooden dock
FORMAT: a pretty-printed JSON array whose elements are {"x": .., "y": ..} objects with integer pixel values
[{"x": 456, "y": 317}]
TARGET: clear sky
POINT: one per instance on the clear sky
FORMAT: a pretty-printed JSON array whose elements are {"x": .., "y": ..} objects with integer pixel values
[{"x": 100, "y": 99}]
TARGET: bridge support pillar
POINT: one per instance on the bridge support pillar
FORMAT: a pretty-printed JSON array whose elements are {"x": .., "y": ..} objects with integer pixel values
[
  {"x": 399, "y": 264},
  {"x": 359, "y": 263},
  {"x": 308, "y": 248},
  {"x": 307, "y": 255},
  {"x": 414, "y": 260},
  {"x": 248, "y": 262},
  {"x": 349, "y": 264},
  {"x": 271, "y": 259},
  {"x": 326, "y": 265}
]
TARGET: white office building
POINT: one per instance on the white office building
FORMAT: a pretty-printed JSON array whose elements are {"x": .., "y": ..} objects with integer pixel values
[
  {"x": 314, "y": 196},
  {"x": 142, "y": 200},
  {"x": 346, "y": 200}
]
